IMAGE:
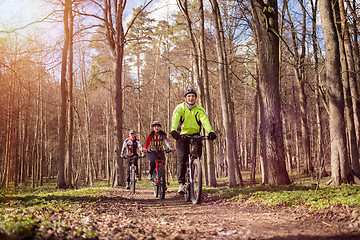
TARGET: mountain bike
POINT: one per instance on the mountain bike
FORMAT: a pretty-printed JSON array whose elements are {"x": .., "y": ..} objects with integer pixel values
[
  {"x": 193, "y": 176},
  {"x": 133, "y": 178},
  {"x": 158, "y": 176}
]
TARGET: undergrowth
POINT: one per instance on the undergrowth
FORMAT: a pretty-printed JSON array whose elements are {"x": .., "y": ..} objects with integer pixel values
[
  {"x": 292, "y": 195},
  {"x": 25, "y": 211}
]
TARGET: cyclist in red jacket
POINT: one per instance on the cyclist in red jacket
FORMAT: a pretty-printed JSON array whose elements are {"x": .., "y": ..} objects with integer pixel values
[{"x": 156, "y": 140}]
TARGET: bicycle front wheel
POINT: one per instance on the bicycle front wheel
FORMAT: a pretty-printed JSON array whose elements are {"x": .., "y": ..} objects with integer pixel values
[
  {"x": 133, "y": 179},
  {"x": 161, "y": 182},
  {"x": 155, "y": 186},
  {"x": 196, "y": 183}
]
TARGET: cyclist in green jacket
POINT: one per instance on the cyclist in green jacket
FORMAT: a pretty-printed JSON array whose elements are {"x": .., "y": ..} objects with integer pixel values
[{"x": 188, "y": 118}]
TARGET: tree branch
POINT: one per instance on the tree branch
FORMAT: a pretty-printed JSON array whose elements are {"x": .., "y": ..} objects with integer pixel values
[{"x": 27, "y": 25}]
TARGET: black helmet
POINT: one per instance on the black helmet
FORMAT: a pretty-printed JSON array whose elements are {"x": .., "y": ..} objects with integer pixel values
[
  {"x": 156, "y": 123},
  {"x": 190, "y": 90}
]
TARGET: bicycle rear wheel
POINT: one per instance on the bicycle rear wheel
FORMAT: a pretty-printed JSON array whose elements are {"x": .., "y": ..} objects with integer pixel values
[
  {"x": 196, "y": 183},
  {"x": 133, "y": 179},
  {"x": 161, "y": 182}
]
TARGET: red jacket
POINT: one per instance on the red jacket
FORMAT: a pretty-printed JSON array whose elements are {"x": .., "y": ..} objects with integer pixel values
[{"x": 157, "y": 140}]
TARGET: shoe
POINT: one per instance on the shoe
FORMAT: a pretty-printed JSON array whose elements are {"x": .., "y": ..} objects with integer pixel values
[
  {"x": 181, "y": 188},
  {"x": 149, "y": 177},
  {"x": 127, "y": 186}
]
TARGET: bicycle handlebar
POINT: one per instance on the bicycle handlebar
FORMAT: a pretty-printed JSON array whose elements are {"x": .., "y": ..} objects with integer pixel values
[
  {"x": 134, "y": 156},
  {"x": 159, "y": 151},
  {"x": 197, "y": 137}
]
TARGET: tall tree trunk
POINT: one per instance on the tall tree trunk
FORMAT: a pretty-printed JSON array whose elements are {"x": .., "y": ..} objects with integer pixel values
[
  {"x": 352, "y": 92},
  {"x": 230, "y": 102},
  {"x": 224, "y": 96},
  {"x": 108, "y": 137},
  {"x": 154, "y": 94},
  {"x": 339, "y": 156},
  {"x": 35, "y": 148},
  {"x": 9, "y": 141},
  {"x": 244, "y": 139},
  {"x": 319, "y": 124},
  {"x": 349, "y": 116},
  {"x": 71, "y": 100},
  {"x": 115, "y": 37},
  {"x": 139, "y": 109},
  {"x": 254, "y": 139},
  {"x": 209, "y": 146},
  {"x": 266, "y": 26},
  {"x": 42, "y": 153},
  {"x": 64, "y": 96},
  {"x": 299, "y": 70},
  {"x": 89, "y": 167}
]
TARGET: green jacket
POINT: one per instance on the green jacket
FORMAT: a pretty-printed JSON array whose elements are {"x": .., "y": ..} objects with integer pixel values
[{"x": 190, "y": 120}]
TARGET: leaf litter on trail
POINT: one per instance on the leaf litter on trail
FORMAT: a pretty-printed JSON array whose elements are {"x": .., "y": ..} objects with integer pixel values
[{"x": 141, "y": 216}]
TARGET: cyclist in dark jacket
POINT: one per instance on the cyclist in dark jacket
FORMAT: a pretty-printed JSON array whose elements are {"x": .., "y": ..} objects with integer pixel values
[
  {"x": 130, "y": 148},
  {"x": 154, "y": 141},
  {"x": 188, "y": 118}
]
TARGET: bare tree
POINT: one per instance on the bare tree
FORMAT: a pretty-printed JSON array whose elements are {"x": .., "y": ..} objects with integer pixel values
[
  {"x": 225, "y": 95},
  {"x": 301, "y": 80},
  {"x": 351, "y": 91},
  {"x": 319, "y": 122},
  {"x": 64, "y": 96},
  {"x": 210, "y": 166},
  {"x": 264, "y": 15},
  {"x": 115, "y": 36},
  {"x": 339, "y": 156}
]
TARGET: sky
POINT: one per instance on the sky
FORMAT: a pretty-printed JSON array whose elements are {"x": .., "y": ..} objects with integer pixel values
[{"x": 18, "y": 13}]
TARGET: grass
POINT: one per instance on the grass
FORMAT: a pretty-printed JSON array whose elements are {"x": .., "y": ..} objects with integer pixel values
[
  {"x": 302, "y": 192},
  {"x": 292, "y": 195},
  {"x": 24, "y": 211}
]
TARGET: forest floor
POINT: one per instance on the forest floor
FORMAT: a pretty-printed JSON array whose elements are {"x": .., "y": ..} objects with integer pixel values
[{"x": 122, "y": 215}]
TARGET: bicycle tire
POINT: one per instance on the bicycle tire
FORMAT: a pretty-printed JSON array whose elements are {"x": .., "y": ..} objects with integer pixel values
[
  {"x": 187, "y": 192},
  {"x": 161, "y": 182},
  {"x": 133, "y": 179},
  {"x": 196, "y": 183},
  {"x": 155, "y": 187}
]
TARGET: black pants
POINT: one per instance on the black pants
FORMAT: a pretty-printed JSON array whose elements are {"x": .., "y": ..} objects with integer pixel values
[
  {"x": 152, "y": 158},
  {"x": 183, "y": 150},
  {"x": 128, "y": 164}
]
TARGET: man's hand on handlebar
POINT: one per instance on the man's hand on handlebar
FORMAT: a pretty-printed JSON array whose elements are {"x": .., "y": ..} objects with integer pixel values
[{"x": 212, "y": 136}]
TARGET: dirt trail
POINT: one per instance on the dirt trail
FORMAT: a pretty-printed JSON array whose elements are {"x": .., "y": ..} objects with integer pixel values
[{"x": 122, "y": 215}]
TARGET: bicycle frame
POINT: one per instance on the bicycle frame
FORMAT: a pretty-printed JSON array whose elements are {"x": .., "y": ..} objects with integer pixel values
[
  {"x": 132, "y": 159},
  {"x": 158, "y": 176},
  {"x": 158, "y": 162}
]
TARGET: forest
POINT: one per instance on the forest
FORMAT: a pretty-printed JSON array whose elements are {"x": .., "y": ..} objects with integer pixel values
[{"x": 280, "y": 82}]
